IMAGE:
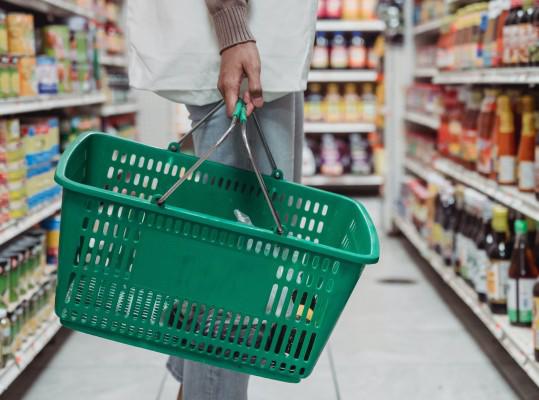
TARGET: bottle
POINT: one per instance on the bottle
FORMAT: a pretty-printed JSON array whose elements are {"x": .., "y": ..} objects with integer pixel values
[
  {"x": 352, "y": 103},
  {"x": 360, "y": 157},
  {"x": 474, "y": 231},
  {"x": 508, "y": 43},
  {"x": 351, "y": 9},
  {"x": 470, "y": 131},
  {"x": 459, "y": 227},
  {"x": 331, "y": 163},
  {"x": 464, "y": 243},
  {"x": 484, "y": 240},
  {"x": 535, "y": 324},
  {"x": 369, "y": 103},
  {"x": 322, "y": 10},
  {"x": 314, "y": 103},
  {"x": 333, "y": 9},
  {"x": 368, "y": 9},
  {"x": 333, "y": 104},
  {"x": 536, "y": 166},
  {"x": 321, "y": 52},
  {"x": 523, "y": 274},
  {"x": 499, "y": 259},
  {"x": 526, "y": 35},
  {"x": 448, "y": 224},
  {"x": 357, "y": 52},
  {"x": 533, "y": 48},
  {"x": 526, "y": 149},
  {"x": 5, "y": 338},
  {"x": 485, "y": 127},
  {"x": 338, "y": 53},
  {"x": 506, "y": 142}
]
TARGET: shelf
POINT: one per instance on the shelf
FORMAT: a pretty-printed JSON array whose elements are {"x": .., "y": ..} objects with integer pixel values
[
  {"x": 509, "y": 76},
  {"x": 345, "y": 180},
  {"x": 30, "y": 349},
  {"x": 113, "y": 61},
  {"x": 59, "y": 8},
  {"x": 424, "y": 119},
  {"x": 28, "y": 295},
  {"x": 326, "y": 127},
  {"x": 428, "y": 27},
  {"x": 526, "y": 203},
  {"x": 49, "y": 102},
  {"x": 109, "y": 110},
  {"x": 419, "y": 169},
  {"x": 21, "y": 225},
  {"x": 348, "y": 26},
  {"x": 328, "y": 75},
  {"x": 425, "y": 72},
  {"x": 517, "y": 341}
]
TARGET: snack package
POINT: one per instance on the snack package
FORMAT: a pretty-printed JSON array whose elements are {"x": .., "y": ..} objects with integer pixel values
[
  {"x": 27, "y": 76},
  {"x": 56, "y": 41},
  {"x": 3, "y": 33},
  {"x": 20, "y": 30},
  {"x": 64, "y": 76},
  {"x": 46, "y": 75}
]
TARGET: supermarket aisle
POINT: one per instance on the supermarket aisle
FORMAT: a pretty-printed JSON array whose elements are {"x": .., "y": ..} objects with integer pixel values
[{"x": 396, "y": 339}]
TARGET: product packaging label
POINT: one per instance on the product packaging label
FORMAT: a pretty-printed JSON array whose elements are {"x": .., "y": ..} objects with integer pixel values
[
  {"x": 535, "y": 324},
  {"x": 497, "y": 277},
  {"x": 526, "y": 175},
  {"x": 520, "y": 299},
  {"x": 506, "y": 169},
  {"x": 481, "y": 274}
]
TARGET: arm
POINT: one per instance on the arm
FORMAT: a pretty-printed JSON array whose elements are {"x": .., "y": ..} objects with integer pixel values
[{"x": 239, "y": 54}]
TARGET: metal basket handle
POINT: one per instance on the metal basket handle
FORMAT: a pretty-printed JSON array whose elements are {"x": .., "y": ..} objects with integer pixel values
[{"x": 239, "y": 117}]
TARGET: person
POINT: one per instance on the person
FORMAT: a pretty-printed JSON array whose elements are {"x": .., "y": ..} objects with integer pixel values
[{"x": 195, "y": 53}]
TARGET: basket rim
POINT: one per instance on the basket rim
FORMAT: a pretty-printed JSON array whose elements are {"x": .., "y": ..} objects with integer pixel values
[{"x": 60, "y": 177}]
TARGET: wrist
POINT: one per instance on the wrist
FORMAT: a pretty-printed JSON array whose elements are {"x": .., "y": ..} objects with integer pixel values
[{"x": 231, "y": 27}]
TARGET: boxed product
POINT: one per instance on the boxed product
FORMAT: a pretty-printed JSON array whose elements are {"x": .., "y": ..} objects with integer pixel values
[
  {"x": 56, "y": 41},
  {"x": 5, "y": 78},
  {"x": 20, "y": 29},
  {"x": 27, "y": 76},
  {"x": 64, "y": 76},
  {"x": 3, "y": 33},
  {"x": 46, "y": 75}
]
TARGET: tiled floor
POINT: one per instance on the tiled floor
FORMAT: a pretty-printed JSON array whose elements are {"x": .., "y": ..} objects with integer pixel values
[{"x": 395, "y": 340}]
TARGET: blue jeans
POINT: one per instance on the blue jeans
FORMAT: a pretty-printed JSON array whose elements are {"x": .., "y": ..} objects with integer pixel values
[{"x": 282, "y": 123}]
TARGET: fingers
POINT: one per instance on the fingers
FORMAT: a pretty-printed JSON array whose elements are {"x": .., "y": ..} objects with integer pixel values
[
  {"x": 229, "y": 86},
  {"x": 252, "y": 70},
  {"x": 248, "y": 103}
]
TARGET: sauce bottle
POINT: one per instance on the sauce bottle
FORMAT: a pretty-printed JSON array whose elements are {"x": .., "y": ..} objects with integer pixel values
[
  {"x": 535, "y": 323},
  {"x": 464, "y": 242},
  {"x": 485, "y": 128},
  {"x": 321, "y": 52},
  {"x": 322, "y": 10},
  {"x": 448, "y": 225},
  {"x": 533, "y": 48},
  {"x": 536, "y": 166},
  {"x": 506, "y": 142},
  {"x": 459, "y": 227},
  {"x": 484, "y": 239},
  {"x": 470, "y": 132},
  {"x": 352, "y": 103},
  {"x": 357, "y": 52},
  {"x": 333, "y": 104},
  {"x": 333, "y": 9},
  {"x": 523, "y": 274},
  {"x": 5, "y": 338},
  {"x": 339, "y": 53},
  {"x": 526, "y": 34},
  {"x": 499, "y": 261},
  {"x": 368, "y": 9},
  {"x": 526, "y": 149},
  {"x": 313, "y": 104},
  {"x": 369, "y": 103},
  {"x": 508, "y": 36},
  {"x": 351, "y": 9}
]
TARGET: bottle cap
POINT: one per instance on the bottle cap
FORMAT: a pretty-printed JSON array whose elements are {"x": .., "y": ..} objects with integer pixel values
[
  {"x": 521, "y": 227},
  {"x": 499, "y": 218}
]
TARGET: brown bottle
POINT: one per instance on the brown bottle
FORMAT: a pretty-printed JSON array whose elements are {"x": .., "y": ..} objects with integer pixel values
[
  {"x": 506, "y": 142},
  {"x": 523, "y": 274},
  {"x": 499, "y": 261},
  {"x": 526, "y": 148}
]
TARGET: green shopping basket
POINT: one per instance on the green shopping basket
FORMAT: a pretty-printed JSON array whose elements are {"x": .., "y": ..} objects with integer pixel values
[{"x": 184, "y": 277}]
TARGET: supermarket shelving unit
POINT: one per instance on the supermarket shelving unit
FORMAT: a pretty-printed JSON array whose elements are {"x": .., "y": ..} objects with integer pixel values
[
  {"x": 59, "y": 8},
  {"x": 357, "y": 76},
  {"x": 517, "y": 341}
]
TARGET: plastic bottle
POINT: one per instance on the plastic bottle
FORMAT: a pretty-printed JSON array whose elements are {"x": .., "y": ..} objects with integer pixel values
[
  {"x": 508, "y": 35},
  {"x": 331, "y": 164},
  {"x": 526, "y": 149},
  {"x": 523, "y": 274},
  {"x": 333, "y": 9},
  {"x": 485, "y": 127},
  {"x": 314, "y": 103},
  {"x": 339, "y": 52},
  {"x": 506, "y": 142},
  {"x": 5, "y": 338},
  {"x": 357, "y": 52},
  {"x": 322, "y": 10},
  {"x": 351, "y": 9},
  {"x": 369, "y": 103},
  {"x": 333, "y": 104},
  {"x": 360, "y": 156},
  {"x": 499, "y": 254},
  {"x": 320, "y": 58},
  {"x": 352, "y": 103},
  {"x": 368, "y": 9}
]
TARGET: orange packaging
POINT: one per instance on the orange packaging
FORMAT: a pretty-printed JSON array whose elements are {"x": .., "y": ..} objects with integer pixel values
[
  {"x": 20, "y": 30},
  {"x": 506, "y": 142},
  {"x": 526, "y": 149},
  {"x": 27, "y": 76}
]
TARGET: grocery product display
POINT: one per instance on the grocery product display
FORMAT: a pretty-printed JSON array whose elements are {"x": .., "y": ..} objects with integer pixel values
[{"x": 469, "y": 190}]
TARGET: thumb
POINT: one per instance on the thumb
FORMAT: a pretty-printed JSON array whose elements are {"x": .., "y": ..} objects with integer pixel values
[{"x": 255, "y": 86}]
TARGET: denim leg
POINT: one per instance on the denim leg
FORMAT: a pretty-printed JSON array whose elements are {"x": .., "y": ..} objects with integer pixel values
[{"x": 282, "y": 123}]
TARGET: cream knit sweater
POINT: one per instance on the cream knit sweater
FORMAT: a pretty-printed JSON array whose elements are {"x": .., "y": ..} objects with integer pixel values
[{"x": 230, "y": 21}]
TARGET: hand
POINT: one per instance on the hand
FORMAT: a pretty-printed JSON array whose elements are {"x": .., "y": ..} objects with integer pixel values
[{"x": 237, "y": 62}]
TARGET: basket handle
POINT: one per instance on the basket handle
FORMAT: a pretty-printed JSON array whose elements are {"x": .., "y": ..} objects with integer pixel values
[
  {"x": 239, "y": 117},
  {"x": 275, "y": 171}
]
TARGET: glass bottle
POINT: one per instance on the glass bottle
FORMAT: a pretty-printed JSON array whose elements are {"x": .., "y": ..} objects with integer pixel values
[
  {"x": 484, "y": 240},
  {"x": 448, "y": 225},
  {"x": 459, "y": 226},
  {"x": 5, "y": 338},
  {"x": 506, "y": 142},
  {"x": 523, "y": 274},
  {"x": 499, "y": 258},
  {"x": 526, "y": 148},
  {"x": 486, "y": 125},
  {"x": 470, "y": 131},
  {"x": 535, "y": 323}
]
